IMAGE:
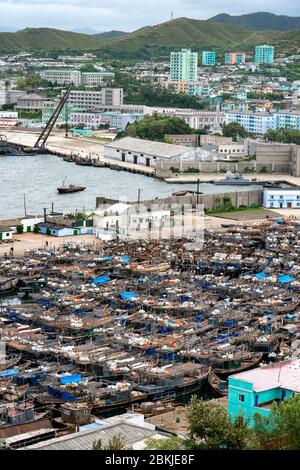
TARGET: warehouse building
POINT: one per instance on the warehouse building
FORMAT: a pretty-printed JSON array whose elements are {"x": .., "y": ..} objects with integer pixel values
[{"x": 146, "y": 152}]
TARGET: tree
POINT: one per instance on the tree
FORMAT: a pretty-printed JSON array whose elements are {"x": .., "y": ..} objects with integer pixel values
[
  {"x": 117, "y": 442},
  {"x": 156, "y": 127},
  {"x": 169, "y": 443},
  {"x": 211, "y": 428},
  {"x": 281, "y": 428},
  {"x": 287, "y": 136},
  {"x": 234, "y": 130}
]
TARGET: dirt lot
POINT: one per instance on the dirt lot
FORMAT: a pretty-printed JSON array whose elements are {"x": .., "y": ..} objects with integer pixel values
[
  {"x": 248, "y": 214},
  {"x": 29, "y": 241}
]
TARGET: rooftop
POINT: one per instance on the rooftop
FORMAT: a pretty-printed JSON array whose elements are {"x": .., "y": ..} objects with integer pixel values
[
  {"x": 281, "y": 375},
  {"x": 158, "y": 149}
]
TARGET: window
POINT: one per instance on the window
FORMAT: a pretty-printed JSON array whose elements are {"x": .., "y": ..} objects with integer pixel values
[{"x": 241, "y": 397}]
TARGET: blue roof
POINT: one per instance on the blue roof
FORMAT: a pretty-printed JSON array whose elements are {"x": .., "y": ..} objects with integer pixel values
[
  {"x": 100, "y": 280},
  {"x": 106, "y": 258},
  {"x": 68, "y": 379},
  {"x": 128, "y": 295},
  {"x": 260, "y": 275},
  {"x": 283, "y": 278}
]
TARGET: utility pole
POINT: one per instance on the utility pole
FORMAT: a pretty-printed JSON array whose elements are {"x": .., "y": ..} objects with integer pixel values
[
  {"x": 198, "y": 190},
  {"x": 52, "y": 207},
  {"x": 25, "y": 209},
  {"x": 45, "y": 214}
]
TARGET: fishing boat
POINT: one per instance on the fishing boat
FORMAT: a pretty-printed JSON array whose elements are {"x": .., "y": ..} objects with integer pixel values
[
  {"x": 9, "y": 363},
  {"x": 8, "y": 284},
  {"x": 233, "y": 364},
  {"x": 218, "y": 386},
  {"x": 72, "y": 188}
]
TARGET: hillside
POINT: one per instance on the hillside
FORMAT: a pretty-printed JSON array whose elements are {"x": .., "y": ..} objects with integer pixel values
[
  {"x": 260, "y": 21},
  {"x": 149, "y": 42},
  {"x": 112, "y": 34},
  {"x": 46, "y": 39}
]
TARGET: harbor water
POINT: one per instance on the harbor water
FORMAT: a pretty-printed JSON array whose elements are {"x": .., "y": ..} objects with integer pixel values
[{"x": 38, "y": 176}]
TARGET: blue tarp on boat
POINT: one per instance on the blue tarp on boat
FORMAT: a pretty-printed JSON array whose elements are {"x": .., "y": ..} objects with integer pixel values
[
  {"x": 279, "y": 221},
  {"x": 261, "y": 275},
  {"x": 283, "y": 278},
  {"x": 128, "y": 296},
  {"x": 68, "y": 379},
  {"x": 5, "y": 374},
  {"x": 100, "y": 280}
]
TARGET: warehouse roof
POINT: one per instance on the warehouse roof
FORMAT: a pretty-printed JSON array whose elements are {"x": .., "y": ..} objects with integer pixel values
[
  {"x": 158, "y": 149},
  {"x": 84, "y": 440}
]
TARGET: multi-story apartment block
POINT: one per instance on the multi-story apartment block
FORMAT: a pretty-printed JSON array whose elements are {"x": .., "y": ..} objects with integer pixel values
[
  {"x": 30, "y": 103},
  {"x": 210, "y": 120},
  {"x": 208, "y": 58},
  {"x": 107, "y": 97},
  {"x": 264, "y": 54},
  {"x": 62, "y": 77},
  {"x": 96, "y": 78},
  {"x": 191, "y": 88},
  {"x": 65, "y": 77},
  {"x": 235, "y": 58},
  {"x": 261, "y": 122},
  {"x": 93, "y": 119},
  {"x": 183, "y": 66}
]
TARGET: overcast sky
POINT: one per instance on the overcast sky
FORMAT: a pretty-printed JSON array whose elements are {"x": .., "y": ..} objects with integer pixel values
[{"x": 125, "y": 15}]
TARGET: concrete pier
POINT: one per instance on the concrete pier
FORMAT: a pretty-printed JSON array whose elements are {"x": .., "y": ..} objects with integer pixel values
[{"x": 82, "y": 151}]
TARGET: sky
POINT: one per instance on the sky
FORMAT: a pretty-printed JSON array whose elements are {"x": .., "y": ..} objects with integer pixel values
[{"x": 124, "y": 15}]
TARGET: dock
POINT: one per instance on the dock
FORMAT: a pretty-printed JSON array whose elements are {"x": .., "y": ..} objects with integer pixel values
[{"x": 82, "y": 151}]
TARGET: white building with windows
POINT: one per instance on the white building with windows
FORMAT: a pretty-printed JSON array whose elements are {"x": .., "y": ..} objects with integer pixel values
[{"x": 282, "y": 198}]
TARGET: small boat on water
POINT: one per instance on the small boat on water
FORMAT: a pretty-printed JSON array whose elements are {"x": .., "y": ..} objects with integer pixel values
[
  {"x": 236, "y": 179},
  {"x": 72, "y": 188},
  {"x": 218, "y": 386}
]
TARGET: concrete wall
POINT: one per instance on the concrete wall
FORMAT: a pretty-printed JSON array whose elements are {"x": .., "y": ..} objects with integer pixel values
[
  {"x": 210, "y": 201},
  {"x": 224, "y": 166}
]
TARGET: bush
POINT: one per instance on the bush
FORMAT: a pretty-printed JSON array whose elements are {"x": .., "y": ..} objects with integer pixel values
[
  {"x": 174, "y": 170},
  {"x": 19, "y": 229},
  {"x": 36, "y": 229}
]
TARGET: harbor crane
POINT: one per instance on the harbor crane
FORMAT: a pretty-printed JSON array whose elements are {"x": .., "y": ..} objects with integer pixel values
[{"x": 41, "y": 142}]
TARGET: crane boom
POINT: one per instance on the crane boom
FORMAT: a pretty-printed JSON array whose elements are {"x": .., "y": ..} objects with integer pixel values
[{"x": 41, "y": 142}]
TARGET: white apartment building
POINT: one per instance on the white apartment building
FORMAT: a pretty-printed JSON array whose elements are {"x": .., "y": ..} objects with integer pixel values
[
  {"x": 96, "y": 78},
  {"x": 261, "y": 122},
  {"x": 65, "y": 77},
  {"x": 285, "y": 198},
  {"x": 62, "y": 77},
  {"x": 90, "y": 99},
  {"x": 202, "y": 119}
]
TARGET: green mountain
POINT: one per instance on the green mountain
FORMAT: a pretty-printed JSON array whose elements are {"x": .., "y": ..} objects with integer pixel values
[
  {"x": 150, "y": 42},
  {"x": 260, "y": 21},
  {"x": 47, "y": 39},
  {"x": 112, "y": 34}
]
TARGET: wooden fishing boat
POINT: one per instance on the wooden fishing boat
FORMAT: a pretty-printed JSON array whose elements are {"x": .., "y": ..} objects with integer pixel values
[
  {"x": 8, "y": 284},
  {"x": 9, "y": 363},
  {"x": 218, "y": 386},
  {"x": 228, "y": 366}
]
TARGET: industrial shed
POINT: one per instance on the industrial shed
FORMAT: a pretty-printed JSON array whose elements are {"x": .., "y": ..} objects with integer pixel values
[{"x": 146, "y": 152}]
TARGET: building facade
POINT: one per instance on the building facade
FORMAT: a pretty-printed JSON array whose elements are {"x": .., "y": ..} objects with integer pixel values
[
  {"x": 208, "y": 58},
  {"x": 260, "y": 122},
  {"x": 235, "y": 58},
  {"x": 183, "y": 66},
  {"x": 264, "y": 54},
  {"x": 254, "y": 391},
  {"x": 30, "y": 103},
  {"x": 90, "y": 99},
  {"x": 65, "y": 77},
  {"x": 285, "y": 198}
]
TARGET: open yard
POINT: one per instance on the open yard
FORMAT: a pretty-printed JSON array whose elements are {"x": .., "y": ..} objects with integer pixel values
[{"x": 247, "y": 214}]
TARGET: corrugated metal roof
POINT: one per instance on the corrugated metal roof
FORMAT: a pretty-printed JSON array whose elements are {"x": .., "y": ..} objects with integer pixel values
[
  {"x": 84, "y": 440},
  {"x": 149, "y": 147}
]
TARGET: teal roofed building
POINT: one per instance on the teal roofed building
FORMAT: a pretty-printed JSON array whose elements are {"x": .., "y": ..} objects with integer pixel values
[{"x": 256, "y": 390}]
